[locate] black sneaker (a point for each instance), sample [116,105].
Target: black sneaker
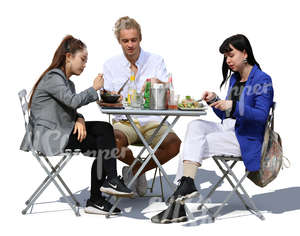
[186,189]
[101,207]
[174,213]
[116,187]
[179,214]
[165,216]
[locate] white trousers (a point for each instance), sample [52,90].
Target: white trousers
[204,139]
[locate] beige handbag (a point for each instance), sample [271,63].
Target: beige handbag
[272,155]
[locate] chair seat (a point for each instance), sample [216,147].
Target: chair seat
[228,158]
[66,152]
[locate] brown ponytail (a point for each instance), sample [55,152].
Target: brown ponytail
[68,45]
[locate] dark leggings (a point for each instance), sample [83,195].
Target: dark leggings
[100,140]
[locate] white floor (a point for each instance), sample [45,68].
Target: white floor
[280,205]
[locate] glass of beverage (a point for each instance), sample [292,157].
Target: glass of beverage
[173,102]
[125,101]
[139,100]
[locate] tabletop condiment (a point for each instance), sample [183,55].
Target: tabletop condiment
[171,94]
[147,94]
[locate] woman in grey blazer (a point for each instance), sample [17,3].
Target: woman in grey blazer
[57,125]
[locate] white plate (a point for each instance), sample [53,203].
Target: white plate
[192,109]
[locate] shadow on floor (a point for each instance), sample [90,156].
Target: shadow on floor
[276,202]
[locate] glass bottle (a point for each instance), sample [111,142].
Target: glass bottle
[132,91]
[147,94]
[171,94]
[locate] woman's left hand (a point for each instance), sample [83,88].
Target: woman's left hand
[222,105]
[80,129]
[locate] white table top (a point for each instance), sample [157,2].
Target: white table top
[138,111]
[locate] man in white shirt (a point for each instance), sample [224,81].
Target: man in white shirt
[144,65]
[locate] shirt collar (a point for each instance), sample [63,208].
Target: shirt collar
[139,61]
[60,72]
[141,58]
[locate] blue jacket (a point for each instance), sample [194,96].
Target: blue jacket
[251,114]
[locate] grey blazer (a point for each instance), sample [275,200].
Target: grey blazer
[53,112]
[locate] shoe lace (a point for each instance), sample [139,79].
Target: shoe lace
[121,179]
[180,183]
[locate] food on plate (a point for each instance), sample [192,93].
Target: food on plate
[109,97]
[190,103]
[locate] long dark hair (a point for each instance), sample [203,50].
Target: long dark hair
[241,43]
[69,44]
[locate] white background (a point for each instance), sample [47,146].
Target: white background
[187,34]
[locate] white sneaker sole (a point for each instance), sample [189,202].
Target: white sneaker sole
[180,219]
[93,210]
[164,221]
[116,193]
[168,221]
[188,196]
[183,198]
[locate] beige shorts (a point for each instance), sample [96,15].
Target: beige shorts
[146,130]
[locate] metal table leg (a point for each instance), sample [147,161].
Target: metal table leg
[151,152]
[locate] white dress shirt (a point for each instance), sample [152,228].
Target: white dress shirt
[117,70]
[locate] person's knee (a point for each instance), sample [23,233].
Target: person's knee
[102,126]
[121,138]
[108,126]
[172,144]
[193,125]
[176,142]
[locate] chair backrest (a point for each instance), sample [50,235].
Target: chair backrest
[28,124]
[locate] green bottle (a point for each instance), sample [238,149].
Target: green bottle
[147,94]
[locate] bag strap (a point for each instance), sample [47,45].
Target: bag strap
[285,162]
[272,115]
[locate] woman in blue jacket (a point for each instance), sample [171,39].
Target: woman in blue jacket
[243,116]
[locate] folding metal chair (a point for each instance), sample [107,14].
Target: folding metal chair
[53,172]
[223,160]
[229,162]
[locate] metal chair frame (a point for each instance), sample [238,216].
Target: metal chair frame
[53,172]
[229,162]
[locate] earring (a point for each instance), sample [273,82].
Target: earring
[245,61]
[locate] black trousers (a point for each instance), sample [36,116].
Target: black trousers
[99,143]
